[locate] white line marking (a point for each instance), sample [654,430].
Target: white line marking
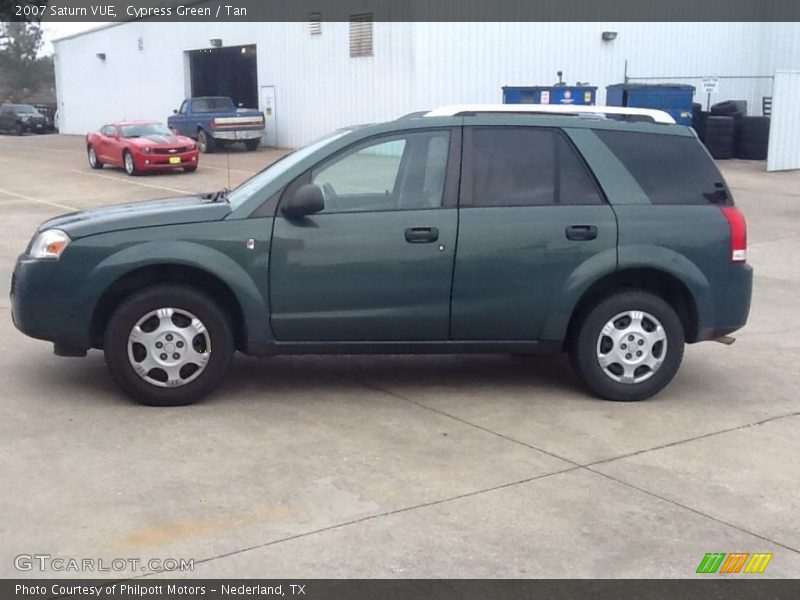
[15,195]
[121,180]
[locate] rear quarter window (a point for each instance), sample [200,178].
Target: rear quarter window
[670,169]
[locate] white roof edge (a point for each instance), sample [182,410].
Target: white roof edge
[658,116]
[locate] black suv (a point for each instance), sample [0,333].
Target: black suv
[19,118]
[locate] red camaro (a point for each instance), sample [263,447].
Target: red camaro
[139,146]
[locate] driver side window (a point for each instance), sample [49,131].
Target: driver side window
[400,172]
[109,131]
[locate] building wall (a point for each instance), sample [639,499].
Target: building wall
[415,66]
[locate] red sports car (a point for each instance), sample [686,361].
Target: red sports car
[139,146]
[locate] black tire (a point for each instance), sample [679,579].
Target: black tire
[189,169]
[720,125]
[19,129]
[91,156]
[252,144]
[751,151]
[729,107]
[205,142]
[754,130]
[128,164]
[584,350]
[182,298]
[720,150]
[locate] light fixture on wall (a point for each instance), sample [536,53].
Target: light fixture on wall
[609,36]
[101,55]
[215,42]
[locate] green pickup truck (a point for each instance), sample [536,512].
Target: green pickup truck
[607,233]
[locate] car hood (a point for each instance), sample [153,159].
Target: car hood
[153,213]
[159,140]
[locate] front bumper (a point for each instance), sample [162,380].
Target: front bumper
[34,126]
[158,162]
[37,311]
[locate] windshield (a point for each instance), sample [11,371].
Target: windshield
[26,109]
[238,196]
[145,129]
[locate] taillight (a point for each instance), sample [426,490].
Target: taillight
[738,228]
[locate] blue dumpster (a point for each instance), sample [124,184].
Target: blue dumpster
[676,99]
[553,94]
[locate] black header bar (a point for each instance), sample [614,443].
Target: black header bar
[190,11]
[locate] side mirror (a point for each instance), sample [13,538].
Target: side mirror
[306,200]
[174,111]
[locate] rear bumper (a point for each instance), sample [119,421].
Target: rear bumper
[732,305]
[238,135]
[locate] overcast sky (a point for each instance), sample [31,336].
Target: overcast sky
[56,30]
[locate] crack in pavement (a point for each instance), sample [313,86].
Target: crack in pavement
[373,517]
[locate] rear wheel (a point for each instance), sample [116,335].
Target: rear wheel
[158,345]
[94,162]
[130,166]
[629,346]
[252,144]
[205,142]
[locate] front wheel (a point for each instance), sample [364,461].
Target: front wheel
[130,166]
[19,129]
[252,144]
[629,346]
[94,162]
[158,345]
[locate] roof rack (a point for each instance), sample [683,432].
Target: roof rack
[656,116]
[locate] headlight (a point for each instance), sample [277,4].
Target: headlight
[25,117]
[49,244]
[147,149]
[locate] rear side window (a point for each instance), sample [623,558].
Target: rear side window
[526,166]
[670,169]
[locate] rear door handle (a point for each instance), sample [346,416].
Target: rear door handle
[581,232]
[422,235]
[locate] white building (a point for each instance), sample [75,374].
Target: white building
[306,71]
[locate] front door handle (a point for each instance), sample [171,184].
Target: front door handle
[581,232]
[422,235]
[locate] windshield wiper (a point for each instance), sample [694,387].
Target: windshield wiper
[218,196]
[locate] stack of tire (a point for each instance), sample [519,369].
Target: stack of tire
[721,126]
[752,138]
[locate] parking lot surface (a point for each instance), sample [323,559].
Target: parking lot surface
[404,466]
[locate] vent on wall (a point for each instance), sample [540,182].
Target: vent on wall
[315,23]
[140,43]
[361,34]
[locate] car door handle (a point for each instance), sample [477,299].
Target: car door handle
[581,232]
[422,235]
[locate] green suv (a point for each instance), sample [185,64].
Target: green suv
[478,229]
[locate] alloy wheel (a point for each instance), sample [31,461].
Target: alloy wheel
[169,347]
[631,347]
